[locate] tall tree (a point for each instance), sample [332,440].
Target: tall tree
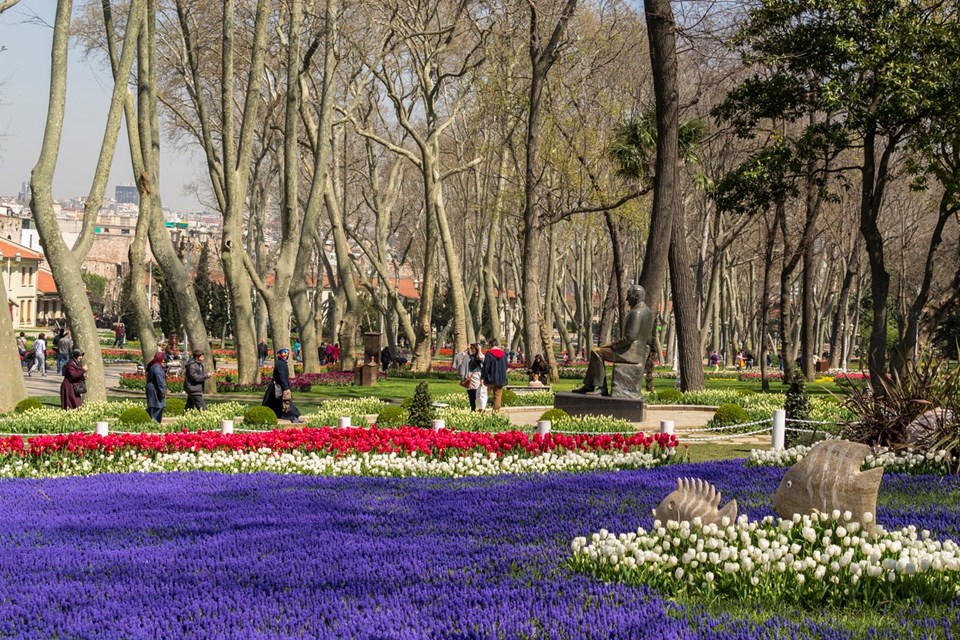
[64,261]
[543,48]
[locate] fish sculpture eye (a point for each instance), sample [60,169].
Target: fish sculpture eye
[789,483]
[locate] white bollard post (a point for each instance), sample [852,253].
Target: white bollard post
[666,426]
[226,426]
[102,428]
[543,427]
[779,429]
[344,423]
[439,424]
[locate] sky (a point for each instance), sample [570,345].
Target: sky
[24,89]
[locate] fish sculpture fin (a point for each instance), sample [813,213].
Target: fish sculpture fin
[729,511]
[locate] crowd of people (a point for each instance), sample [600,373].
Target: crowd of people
[484,373]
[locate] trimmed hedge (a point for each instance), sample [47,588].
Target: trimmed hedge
[259,416]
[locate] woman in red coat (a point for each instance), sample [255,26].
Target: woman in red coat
[74,373]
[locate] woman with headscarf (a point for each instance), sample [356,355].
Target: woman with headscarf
[278,396]
[156,387]
[74,383]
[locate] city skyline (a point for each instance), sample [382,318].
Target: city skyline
[24,87]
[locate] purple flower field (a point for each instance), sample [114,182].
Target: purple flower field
[262,556]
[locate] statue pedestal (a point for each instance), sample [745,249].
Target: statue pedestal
[627,380]
[579,404]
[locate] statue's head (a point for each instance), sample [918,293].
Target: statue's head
[635,295]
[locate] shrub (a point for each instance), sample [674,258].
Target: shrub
[393,416]
[729,414]
[259,416]
[134,416]
[175,407]
[746,392]
[422,412]
[27,404]
[669,396]
[554,415]
[510,399]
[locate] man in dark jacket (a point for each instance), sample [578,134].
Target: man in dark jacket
[494,372]
[193,378]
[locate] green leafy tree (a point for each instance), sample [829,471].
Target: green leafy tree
[203,286]
[127,313]
[422,412]
[168,311]
[871,73]
[95,284]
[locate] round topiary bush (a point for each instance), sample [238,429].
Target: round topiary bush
[260,417]
[554,415]
[27,404]
[175,407]
[746,392]
[669,395]
[392,416]
[729,414]
[510,399]
[134,416]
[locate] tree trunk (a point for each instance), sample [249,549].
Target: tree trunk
[874,176]
[64,264]
[12,389]
[661,29]
[148,125]
[542,58]
[685,308]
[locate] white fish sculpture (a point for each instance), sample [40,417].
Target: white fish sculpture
[829,478]
[694,498]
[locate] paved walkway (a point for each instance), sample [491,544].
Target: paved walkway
[49,385]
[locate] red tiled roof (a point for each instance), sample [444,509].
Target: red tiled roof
[45,282]
[10,249]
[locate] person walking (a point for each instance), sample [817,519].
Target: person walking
[279,396]
[119,334]
[336,352]
[461,364]
[482,388]
[193,378]
[385,358]
[74,384]
[494,373]
[474,379]
[64,349]
[40,356]
[22,347]
[156,387]
[262,351]
[715,361]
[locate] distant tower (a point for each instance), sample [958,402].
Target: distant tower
[127,194]
[24,196]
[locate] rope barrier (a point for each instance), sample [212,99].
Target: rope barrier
[738,435]
[727,428]
[809,421]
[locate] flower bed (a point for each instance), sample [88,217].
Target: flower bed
[820,560]
[326,451]
[55,420]
[237,556]
[940,462]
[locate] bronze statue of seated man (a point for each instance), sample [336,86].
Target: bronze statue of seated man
[630,348]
